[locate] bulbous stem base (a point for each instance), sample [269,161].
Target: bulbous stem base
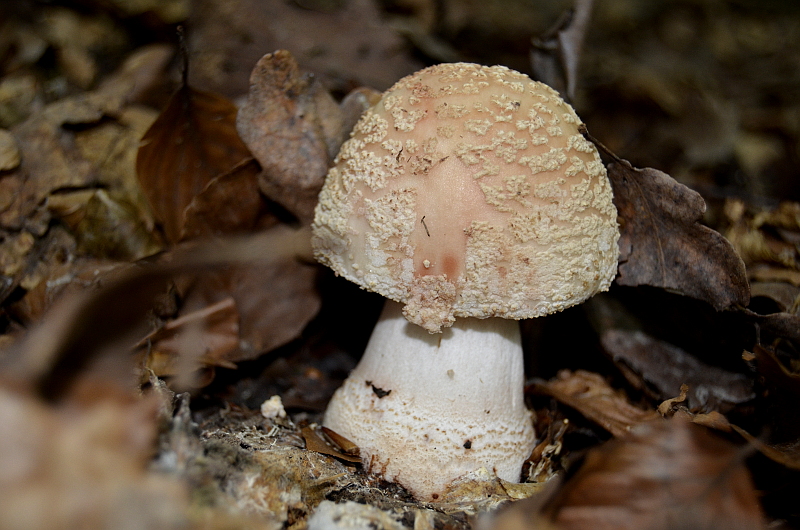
[426,409]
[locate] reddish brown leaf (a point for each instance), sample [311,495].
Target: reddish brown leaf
[294,129]
[667,474]
[230,203]
[192,141]
[592,396]
[663,244]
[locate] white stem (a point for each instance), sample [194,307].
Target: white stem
[455,402]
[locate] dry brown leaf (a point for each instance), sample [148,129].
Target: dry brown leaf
[315,441]
[663,244]
[193,140]
[275,301]
[594,398]
[50,160]
[669,405]
[294,128]
[765,235]
[782,295]
[667,474]
[786,325]
[78,160]
[651,363]
[713,420]
[230,203]
[54,278]
[104,224]
[9,151]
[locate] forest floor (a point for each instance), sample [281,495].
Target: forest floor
[157,290]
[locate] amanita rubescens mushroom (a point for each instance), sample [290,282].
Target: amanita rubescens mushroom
[467,191]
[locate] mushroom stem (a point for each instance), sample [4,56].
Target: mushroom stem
[426,409]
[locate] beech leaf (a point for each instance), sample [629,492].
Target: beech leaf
[229,204]
[193,140]
[663,244]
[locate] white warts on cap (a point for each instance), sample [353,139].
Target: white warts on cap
[469,191]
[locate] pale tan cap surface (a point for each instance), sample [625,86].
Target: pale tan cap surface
[469,191]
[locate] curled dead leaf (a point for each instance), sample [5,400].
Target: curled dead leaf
[663,244]
[317,440]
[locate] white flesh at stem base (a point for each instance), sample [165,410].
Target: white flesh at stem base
[426,409]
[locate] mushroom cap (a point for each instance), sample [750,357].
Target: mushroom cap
[469,191]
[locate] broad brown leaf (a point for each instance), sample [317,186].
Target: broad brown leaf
[294,129]
[276,300]
[193,140]
[667,474]
[663,244]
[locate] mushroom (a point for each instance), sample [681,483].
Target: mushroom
[467,191]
